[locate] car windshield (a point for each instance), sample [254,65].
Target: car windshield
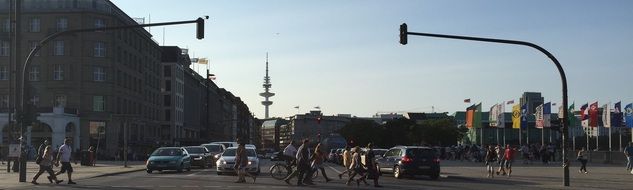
[195,150]
[231,152]
[167,152]
[213,147]
[420,153]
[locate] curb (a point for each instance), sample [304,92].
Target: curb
[116,173]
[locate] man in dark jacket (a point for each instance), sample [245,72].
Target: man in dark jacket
[303,165]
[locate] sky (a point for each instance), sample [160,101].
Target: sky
[344,56]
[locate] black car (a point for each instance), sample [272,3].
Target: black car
[200,156]
[215,150]
[409,161]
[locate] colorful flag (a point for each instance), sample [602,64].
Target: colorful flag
[203,61]
[593,114]
[584,115]
[547,112]
[477,117]
[492,116]
[606,115]
[628,114]
[516,116]
[501,123]
[469,116]
[524,116]
[572,116]
[510,102]
[467,100]
[538,114]
[616,118]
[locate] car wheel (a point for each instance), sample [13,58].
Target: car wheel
[149,171]
[179,170]
[397,173]
[219,173]
[160,170]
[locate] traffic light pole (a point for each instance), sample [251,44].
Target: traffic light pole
[404,40]
[199,34]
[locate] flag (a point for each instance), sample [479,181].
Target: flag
[501,123]
[469,116]
[296,107]
[492,115]
[524,116]
[539,116]
[547,112]
[628,114]
[584,115]
[510,102]
[203,61]
[553,104]
[606,115]
[467,100]
[317,107]
[593,114]
[572,116]
[477,117]
[616,118]
[516,116]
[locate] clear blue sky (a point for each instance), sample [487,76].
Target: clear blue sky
[344,56]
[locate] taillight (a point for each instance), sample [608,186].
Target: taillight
[406,160]
[436,160]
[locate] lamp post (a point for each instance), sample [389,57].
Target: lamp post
[404,40]
[199,34]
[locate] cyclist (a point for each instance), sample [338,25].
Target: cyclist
[290,153]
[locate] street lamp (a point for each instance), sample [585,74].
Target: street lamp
[403,40]
[199,34]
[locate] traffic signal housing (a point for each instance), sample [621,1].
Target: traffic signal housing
[403,34]
[200,28]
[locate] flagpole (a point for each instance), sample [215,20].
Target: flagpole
[520,135]
[573,136]
[504,137]
[498,135]
[543,135]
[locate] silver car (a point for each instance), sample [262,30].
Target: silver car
[226,162]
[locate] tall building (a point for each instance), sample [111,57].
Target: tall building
[267,94]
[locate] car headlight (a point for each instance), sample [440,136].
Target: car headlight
[197,158]
[250,162]
[217,156]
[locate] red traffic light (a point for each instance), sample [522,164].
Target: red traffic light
[403,34]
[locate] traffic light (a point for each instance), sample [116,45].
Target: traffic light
[403,34]
[318,120]
[200,28]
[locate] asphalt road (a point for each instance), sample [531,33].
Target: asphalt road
[455,175]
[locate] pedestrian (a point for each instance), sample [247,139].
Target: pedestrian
[317,162]
[289,154]
[491,158]
[64,156]
[370,162]
[303,166]
[46,166]
[583,160]
[241,162]
[356,168]
[347,160]
[508,158]
[628,152]
[91,156]
[525,152]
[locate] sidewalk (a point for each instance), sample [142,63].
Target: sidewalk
[102,168]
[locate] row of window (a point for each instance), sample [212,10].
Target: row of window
[35,23]
[98,102]
[59,48]
[98,73]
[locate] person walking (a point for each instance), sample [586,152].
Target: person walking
[317,162]
[64,155]
[46,163]
[491,157]
[347,160]
[289,154]
[628,152]
[508,158]
[303,165]
[583,160]
[370,163]
[499,150]
[241,162]
[357,168]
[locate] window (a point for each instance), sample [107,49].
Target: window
[99,74]
[6,25]
[4,48]
[59,48]
[60,100]
[58,72]
[4,101]
[98,103]
[35,100]
[167,115]
[4,73]
[167,71]
[167,100]
[99,49]
[62,24]
[168,86]
[34,25]
[34,73]
[99,23]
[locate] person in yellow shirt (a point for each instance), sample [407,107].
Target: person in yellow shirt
[347,160]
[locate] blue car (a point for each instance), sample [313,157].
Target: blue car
[169,158]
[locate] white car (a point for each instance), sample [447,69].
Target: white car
[226,162]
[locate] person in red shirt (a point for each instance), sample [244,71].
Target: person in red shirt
[508,158]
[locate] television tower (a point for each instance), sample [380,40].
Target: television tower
[267,94]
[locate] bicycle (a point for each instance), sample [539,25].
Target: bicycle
[280,171]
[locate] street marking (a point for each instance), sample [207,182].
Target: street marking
[167,186]
[212,186]
[190,186]
[121,186]
[143,186]
[192,174]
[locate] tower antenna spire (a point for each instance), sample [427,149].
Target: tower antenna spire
[267,94]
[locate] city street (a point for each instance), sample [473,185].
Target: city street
[455,175]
